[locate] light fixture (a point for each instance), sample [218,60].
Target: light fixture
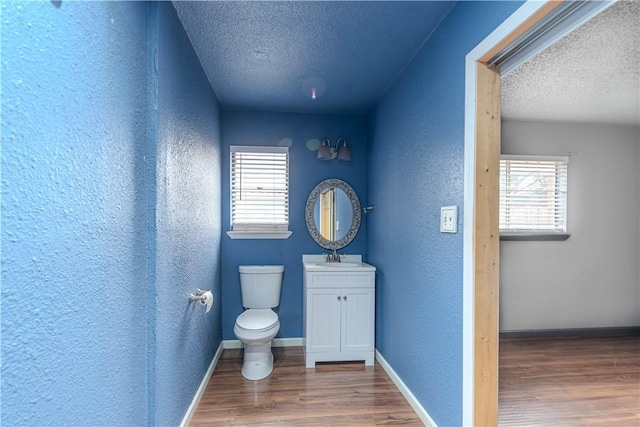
[327,152]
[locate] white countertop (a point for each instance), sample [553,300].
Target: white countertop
[348,263]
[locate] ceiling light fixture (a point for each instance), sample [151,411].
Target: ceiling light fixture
[327,152]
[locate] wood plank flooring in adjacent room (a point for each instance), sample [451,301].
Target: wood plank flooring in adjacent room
[330,394]
[580,381]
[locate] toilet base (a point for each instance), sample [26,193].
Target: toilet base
[257,361]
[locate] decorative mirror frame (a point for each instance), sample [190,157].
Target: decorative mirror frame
[355,205]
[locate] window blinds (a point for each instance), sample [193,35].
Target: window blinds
[533,194]
[259,188]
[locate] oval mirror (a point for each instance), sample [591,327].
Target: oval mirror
[333,214]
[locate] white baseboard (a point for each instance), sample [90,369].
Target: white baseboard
[287,342]
[230,344]
[420,411]
[203,386]
[277,342]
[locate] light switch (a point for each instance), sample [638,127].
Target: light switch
[449,219]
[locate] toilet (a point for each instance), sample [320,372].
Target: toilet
[258,324]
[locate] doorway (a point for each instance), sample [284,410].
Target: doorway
[530,29]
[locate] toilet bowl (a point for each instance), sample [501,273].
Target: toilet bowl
[256,328]
[258,324]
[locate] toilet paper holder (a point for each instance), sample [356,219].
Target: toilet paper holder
[199,296]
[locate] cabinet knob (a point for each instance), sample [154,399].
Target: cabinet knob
[344,297]
[338,298]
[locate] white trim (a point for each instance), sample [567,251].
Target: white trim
[508,26]
[411,399]
[203,386]
[287,342]
[468,264]
[259,234]
[231,344]
[277,342]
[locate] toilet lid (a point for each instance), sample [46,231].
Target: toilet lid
[257,319]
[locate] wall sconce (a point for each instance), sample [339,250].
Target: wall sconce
[327,152]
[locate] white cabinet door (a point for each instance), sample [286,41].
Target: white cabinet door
[358,319]
[323,328]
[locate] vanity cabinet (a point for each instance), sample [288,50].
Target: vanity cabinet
[339,315]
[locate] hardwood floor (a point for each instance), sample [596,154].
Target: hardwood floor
[586,381]
[331,394]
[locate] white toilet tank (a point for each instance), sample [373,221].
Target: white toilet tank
[261,285]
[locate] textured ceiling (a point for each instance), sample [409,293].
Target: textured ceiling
[591,75]
[280,55]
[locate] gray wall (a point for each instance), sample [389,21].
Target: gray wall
[592,279]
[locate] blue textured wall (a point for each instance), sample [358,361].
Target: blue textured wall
[73,214]
[187,221]
[419,280]
[110,215]
[305,172]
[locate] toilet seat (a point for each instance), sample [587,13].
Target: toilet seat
[257,319]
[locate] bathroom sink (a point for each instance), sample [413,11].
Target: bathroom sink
[349,264]
[339,264]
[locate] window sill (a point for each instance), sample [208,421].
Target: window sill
[259,234]
[534,236]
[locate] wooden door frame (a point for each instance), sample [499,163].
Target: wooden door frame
[482,240]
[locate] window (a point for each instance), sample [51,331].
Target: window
[259,192]
[533,194]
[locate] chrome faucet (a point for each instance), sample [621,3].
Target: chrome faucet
[333,257]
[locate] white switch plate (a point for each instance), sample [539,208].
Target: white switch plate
[449,219]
